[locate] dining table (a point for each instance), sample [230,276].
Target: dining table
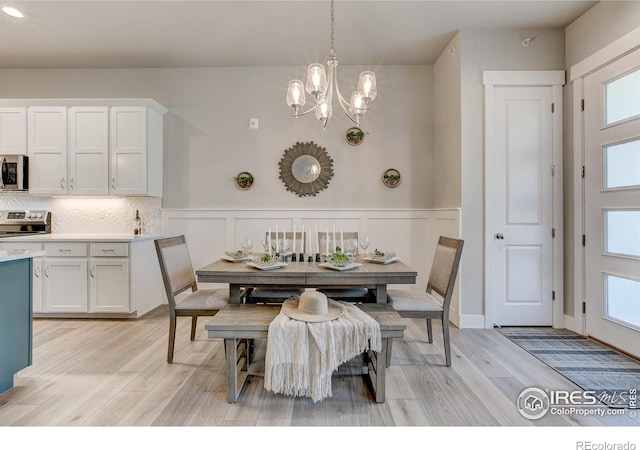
[371,275]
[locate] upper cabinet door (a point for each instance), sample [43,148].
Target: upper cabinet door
[128,151]
[88,150]
[13,131]
[47,149]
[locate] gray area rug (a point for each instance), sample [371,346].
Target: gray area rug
[614,377]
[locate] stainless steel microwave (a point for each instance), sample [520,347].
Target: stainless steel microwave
[14,173]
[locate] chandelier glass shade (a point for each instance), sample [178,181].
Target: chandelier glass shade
[321,85]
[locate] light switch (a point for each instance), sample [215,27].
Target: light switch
[253,124]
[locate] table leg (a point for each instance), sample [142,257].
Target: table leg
[381,293]
[234,293]
[377,371]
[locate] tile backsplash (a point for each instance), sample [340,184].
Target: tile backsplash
[90,215]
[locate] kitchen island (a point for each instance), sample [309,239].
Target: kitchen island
[15,313]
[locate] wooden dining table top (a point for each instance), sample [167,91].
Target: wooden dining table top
[374,276]
[308,273]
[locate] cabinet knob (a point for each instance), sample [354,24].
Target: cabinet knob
[499,236]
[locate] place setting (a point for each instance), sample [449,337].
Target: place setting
[381,257]
[241,255]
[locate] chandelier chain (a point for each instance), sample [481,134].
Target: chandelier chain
[333,51]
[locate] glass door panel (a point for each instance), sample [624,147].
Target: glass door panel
[623,300]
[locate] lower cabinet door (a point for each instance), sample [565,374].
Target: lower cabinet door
[109,285]
[38,288]
[65,285]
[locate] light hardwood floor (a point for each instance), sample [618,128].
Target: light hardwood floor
[114,373]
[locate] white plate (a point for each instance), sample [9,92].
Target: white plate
[347,267]
[381,261]
[271,267]
[235,260]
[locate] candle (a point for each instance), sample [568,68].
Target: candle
[277,240]
[284,239]
[269,240]
[317,241]
[341,239]
[302,240]
[334,237]
[294,239]
[309,243]
[327,242]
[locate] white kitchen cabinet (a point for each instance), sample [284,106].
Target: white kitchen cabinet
[47,150]
[85,278]
[88,157]
[65,285]
[13,131]
[135,151]
[109,285]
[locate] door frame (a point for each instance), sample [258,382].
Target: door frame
[554,79]
[615,50]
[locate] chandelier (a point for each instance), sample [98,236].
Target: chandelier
[321,88]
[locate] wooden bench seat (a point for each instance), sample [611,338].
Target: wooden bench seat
[237,322]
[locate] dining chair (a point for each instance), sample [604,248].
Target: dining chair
[354,294]
[259,294]
[178,276]
[425,305]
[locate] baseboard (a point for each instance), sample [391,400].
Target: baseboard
[471,321]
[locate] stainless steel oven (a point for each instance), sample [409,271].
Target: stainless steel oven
[23,222]
[14,173]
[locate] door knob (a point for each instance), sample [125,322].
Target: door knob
[499,236]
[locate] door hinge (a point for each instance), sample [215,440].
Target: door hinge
[553,295]
[582,171]
[553,108]
[553,169]
[582,105]
[584,240]
[584,307]
[553,232]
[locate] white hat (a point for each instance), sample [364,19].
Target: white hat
[312,306]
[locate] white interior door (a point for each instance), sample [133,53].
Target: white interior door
[612,203]
[522,216]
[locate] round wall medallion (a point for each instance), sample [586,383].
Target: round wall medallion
[244,180]
[306,168]
[354,136]
[391,178]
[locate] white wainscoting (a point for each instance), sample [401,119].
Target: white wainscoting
[411,233]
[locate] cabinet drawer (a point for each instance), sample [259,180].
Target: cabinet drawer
[66,249]
[109,249]
[21,246]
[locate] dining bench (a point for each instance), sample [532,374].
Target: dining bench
[238,324]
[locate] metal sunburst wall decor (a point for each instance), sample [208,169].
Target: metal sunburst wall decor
[306,168]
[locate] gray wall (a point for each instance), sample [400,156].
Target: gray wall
[598,27]
[208,141]
[447,120]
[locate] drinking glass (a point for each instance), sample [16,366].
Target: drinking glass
[364,243]
[247,244]
[351,246]
[265,243]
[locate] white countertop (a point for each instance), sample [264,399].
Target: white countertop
[81,237]
[11,255]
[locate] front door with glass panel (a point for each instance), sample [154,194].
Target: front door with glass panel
[612,203]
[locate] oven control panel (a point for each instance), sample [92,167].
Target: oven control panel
[23,216]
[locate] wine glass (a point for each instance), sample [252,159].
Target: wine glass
[284,248]
[247,244]
[364,243]
[351,246]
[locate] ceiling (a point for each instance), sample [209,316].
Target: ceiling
[147,34]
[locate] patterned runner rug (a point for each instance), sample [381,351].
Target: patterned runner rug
[614,377]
